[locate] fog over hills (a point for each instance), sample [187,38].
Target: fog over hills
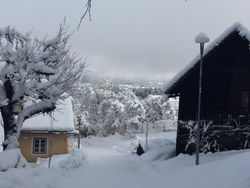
[90,77]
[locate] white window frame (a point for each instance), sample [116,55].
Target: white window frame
[39,147]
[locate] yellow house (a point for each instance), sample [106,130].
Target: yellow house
[45,135]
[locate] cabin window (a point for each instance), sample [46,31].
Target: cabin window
[244,100]
[40,145]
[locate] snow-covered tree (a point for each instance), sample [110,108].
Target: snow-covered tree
[153,108]
[35,72]
[103,103]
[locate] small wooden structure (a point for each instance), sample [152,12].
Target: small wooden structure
[45,135]
[34,144]
[226,81]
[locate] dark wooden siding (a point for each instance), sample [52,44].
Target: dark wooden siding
[226,78]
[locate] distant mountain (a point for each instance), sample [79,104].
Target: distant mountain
[90,77]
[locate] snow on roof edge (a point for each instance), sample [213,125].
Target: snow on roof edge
[63,119]
[237,26]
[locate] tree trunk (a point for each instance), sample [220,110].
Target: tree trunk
[9,123]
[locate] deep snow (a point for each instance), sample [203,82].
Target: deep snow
[110,164]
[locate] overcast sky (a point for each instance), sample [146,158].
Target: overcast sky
[146,39]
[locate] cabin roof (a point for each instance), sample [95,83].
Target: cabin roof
[61,119]
[236,27]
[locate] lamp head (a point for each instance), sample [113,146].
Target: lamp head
[201,38]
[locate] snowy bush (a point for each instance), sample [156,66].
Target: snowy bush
[214,137]
[11,159]
[225,137]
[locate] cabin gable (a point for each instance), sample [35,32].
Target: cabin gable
[225,84]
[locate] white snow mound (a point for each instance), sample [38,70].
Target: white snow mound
[11,159]
[73,160]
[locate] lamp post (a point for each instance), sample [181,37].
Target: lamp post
[201,39]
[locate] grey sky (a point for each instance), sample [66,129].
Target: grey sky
[150,39]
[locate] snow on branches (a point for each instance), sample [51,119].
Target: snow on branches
[37,71]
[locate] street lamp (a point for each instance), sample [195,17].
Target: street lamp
[201,39]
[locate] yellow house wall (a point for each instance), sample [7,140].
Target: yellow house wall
[59,144]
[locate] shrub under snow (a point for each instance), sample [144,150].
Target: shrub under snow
[73,159]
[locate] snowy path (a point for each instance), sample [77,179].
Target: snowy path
[106,168]
[109,164]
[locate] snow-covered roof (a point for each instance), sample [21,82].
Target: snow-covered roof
[62,119]
[243,32]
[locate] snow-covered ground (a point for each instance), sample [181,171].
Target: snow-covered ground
[108,163]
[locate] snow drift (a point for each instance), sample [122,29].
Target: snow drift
[11,159]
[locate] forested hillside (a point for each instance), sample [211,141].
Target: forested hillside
[107,107]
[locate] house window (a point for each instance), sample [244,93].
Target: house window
[40,145]
[244,100]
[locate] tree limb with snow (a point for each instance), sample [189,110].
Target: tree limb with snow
[36,71]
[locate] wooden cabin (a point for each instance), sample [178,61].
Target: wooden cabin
[225,83]
[44,135]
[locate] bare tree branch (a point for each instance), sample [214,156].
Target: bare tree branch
[87,11]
